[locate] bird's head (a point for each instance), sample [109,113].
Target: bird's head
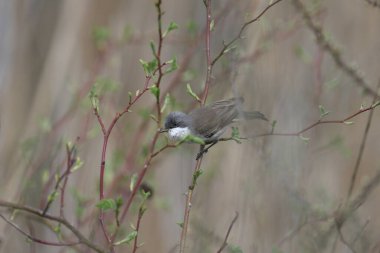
[177,124]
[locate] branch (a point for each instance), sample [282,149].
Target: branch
[362,146]
[373,3]
[208,51]
[227,46]
[82,239]
[342,239]
[64,177]
[30,237]
[320,122]
[142,210]
[330,48]
[189,196]
[210,64]
[228,233]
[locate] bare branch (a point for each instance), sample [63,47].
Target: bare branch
[228,233]
[30,237]
[373,3]
[242,29]
[82,239]
[362,146]
[334,52]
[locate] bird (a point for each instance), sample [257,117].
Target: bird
[207,123]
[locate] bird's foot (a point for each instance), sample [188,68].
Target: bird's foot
[200,154]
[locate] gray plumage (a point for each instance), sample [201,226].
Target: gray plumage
[209,122]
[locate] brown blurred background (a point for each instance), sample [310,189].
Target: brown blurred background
[49,59]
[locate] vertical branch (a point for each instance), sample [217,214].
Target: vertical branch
[362,146]
[158,57]
[64,177]
[69,164]
[142,210]
[228,233]
[208,51]
[189,196]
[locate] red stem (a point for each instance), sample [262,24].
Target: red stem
[208,52]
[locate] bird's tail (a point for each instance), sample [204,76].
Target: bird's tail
[254,115]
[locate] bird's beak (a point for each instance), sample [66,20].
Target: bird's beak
[162,130]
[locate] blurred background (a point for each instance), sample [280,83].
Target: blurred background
[53,52]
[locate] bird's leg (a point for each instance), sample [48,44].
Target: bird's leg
[201,151]
[204,150]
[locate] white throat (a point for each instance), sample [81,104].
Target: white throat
[178,133]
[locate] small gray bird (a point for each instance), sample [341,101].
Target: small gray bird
[208,122]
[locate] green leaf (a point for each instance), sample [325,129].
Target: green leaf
[155,91]
[180,224]
[194,139]
[119,201]
[129,97]
[52,196]
[322,111]
[172,65]
[212,25]
[196,175]
[235,135]
[152,47]
[77,165]
[45,176]
[57,229]
[101,36]
[144,194]
[45,125]
[305,139]
[133,182]
[235,249]
[192,93]
[149,67]
[94,100]
[167,101]
[130,237]
[106,205]
[172,26]
[376,104]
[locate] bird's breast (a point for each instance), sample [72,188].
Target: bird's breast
[178,133]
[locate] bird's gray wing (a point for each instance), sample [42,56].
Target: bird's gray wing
[205,122]
[209,120]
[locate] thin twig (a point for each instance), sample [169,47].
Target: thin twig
[362,146]
[373,3]
[139,218]
[189,196]
[34,239]
[242,29]
[69,164]
[320,122]
[334,52]
[228,233]
[210,64]
[342,239]
[82,239]
[62,177]
[208,51]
